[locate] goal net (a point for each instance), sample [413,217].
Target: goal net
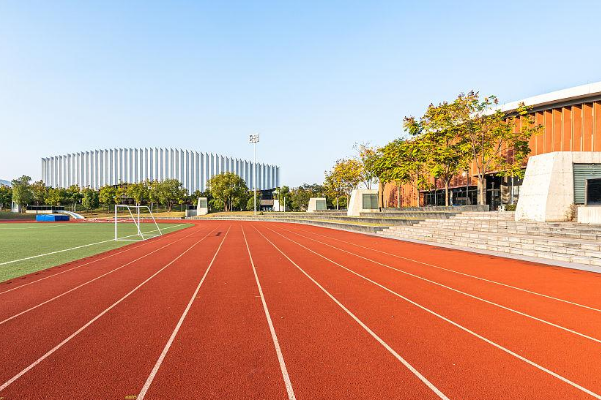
[134,223]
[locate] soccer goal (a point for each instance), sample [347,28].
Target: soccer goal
[134,223]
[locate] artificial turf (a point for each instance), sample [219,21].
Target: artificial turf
[23,240]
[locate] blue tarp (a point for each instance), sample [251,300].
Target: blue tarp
[51,217]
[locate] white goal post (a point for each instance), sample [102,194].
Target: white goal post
[134,217]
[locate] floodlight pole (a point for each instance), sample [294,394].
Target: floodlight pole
[254,139]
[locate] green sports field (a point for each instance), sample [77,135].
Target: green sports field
[30,247]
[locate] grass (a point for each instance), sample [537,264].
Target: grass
[18,241]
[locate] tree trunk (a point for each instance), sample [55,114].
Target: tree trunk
[398,196]
[446,193]
[481,190]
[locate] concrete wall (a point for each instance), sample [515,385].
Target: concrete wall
[355,207]
[547,193]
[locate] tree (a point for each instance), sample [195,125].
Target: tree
[57,196]
[106,196]
[230,189]
[402,161]
[138,192]
[250,203]
[367,156]
[74,196]
[6,195]
[89,199]
[343,178]
[22,193]
[39,191]
[496,141]
[440,133]
[153,192]
[299,197]
[170,192]
[280,194]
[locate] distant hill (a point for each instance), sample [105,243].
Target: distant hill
[6,183]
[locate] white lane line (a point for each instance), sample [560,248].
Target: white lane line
[93,280]
[460,273]
[77,332]
[396,355]
[456,290]
[72,248]
[274,337]
[463,328]
[157,365]
[128,248]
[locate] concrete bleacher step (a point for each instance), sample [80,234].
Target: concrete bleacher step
[499,232]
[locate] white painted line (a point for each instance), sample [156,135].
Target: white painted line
[456,290]
[92,280]
[77,332]
[69,249]
[463,328]
[461,273]
[128,248]
[274,337]
[157,365]
[372,333]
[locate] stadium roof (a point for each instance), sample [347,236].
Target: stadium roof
[590,92]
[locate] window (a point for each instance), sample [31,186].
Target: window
[370,201]
[582,172]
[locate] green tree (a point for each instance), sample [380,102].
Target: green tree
[344,177]
[441,137]
[496,141]
[281,194]
[74,196]
[299,196]
[138,192]
[22,193]
[57,197]
[106,196]
[89,199]
[230,189]
[6,195]
[153,192]
[402,161]
[367,157]
[170,192]
[39,191]
[250,203]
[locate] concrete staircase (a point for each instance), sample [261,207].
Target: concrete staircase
[499,232]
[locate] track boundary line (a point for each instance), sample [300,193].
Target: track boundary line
[412,369]
[179,324]
[72,248]
[92,280]
[274,337]
[461,273]
[127,248]
[81,329]
[463,328]
[459,291]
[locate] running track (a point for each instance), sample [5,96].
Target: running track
[258,310]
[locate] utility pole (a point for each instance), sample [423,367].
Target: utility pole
[254,139]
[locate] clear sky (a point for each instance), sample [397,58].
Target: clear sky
[312,77]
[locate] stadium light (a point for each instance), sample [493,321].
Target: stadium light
[254,139]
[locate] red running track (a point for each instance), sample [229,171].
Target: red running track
[258,310]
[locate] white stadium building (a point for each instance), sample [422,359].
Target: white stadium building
[114,166]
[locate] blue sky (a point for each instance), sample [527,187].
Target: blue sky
[312,78]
